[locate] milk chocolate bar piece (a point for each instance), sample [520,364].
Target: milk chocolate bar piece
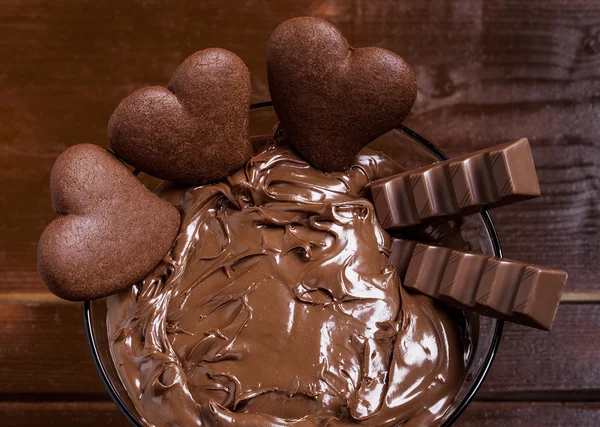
[500,288]
[489,178]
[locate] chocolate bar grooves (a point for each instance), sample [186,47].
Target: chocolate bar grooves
[490,178]
[494,287]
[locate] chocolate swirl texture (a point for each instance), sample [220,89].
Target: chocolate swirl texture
[277,307]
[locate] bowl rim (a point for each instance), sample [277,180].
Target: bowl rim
[454,416]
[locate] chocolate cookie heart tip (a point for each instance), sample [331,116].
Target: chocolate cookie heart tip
[195,131]
[112,231]
[331,99]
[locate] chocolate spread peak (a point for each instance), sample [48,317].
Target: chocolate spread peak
[277,307]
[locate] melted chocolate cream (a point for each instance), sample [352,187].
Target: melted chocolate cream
[277,307]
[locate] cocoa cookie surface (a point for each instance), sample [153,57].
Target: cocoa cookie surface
[194,131]
[332,99]
[112,231]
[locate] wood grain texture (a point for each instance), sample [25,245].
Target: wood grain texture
[61,414]
[43,349]
[530,414]
[488,72]
[478,414]
[558,365]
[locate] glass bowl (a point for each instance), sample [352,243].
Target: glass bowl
[410,151]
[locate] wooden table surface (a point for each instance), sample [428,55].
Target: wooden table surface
[489,71]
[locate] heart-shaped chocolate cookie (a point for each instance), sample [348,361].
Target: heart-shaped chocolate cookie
[194,131]
[112,231]
[332,99]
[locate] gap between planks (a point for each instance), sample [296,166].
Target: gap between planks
[49,298]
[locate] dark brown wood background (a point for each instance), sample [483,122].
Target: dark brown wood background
[488,71]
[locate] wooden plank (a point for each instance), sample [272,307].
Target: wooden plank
[588,297]
[61,414]
[478,414]
[557,365]
[526,414]
[488,71]
[47,297]
[43,349]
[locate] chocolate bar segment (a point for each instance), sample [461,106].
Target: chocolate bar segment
[494,177]
[505,289]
